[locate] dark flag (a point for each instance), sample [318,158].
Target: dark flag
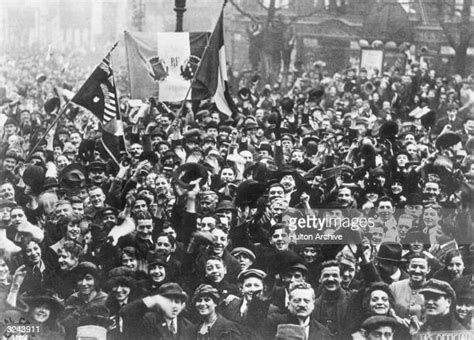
[99,95]
[212,72]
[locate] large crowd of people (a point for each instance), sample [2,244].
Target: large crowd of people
[191,234]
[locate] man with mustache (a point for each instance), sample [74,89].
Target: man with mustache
[439,299]
[330,308]
[406,293]
[299,312]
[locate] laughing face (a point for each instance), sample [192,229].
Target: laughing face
[73,231]
[418,269]
[280,239]
[66,261]
[215,270]
[379,303]
[157,272]
[220,241]
[205,305]
[33,253]
[41,313]
[331,278]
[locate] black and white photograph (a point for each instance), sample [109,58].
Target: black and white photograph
[236,169]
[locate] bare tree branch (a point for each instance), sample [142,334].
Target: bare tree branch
[260,3]
[241,11]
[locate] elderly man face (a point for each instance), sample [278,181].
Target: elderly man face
[301,303]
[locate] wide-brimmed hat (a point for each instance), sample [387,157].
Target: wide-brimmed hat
[390,251]
[120,276]
[248,192]
[45,298]
[171,290]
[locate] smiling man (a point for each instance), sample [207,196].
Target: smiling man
[439,297]
[406,293]
[331,307]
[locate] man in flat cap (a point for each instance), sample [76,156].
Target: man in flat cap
[440,300]
[379,327]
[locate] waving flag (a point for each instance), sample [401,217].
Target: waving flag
[212,73]
[162,65]
[99,95]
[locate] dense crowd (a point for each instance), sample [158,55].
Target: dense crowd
[193,234]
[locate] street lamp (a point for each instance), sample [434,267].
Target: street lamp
[179,8]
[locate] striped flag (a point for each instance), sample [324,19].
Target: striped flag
[99,95]
[212,73]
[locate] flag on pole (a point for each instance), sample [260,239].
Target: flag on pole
[162,65]
[99,95]
[211,80]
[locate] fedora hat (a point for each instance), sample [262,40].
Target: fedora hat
[172,289]
[248,192]
[390,251]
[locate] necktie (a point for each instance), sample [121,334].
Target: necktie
[172,327]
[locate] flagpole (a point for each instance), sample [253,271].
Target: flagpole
[59,116]
[199,65]
[48,130]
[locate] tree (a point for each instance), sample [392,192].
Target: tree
[271,38]
[455,19]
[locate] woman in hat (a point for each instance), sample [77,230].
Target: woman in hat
[88,295]
[465,308]
[211,324]
[122,290]
[375,300]
[43,311]
[157,273]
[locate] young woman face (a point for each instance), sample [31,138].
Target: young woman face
[4,270]
[205,305]
[157,272]
[41,313]
[121,292]
[86,285]
[73,231]
[379,303]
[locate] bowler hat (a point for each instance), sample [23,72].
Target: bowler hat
[96,166]
[172,289]
[390,251]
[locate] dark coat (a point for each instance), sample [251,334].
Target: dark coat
[155,327]
[222,329]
